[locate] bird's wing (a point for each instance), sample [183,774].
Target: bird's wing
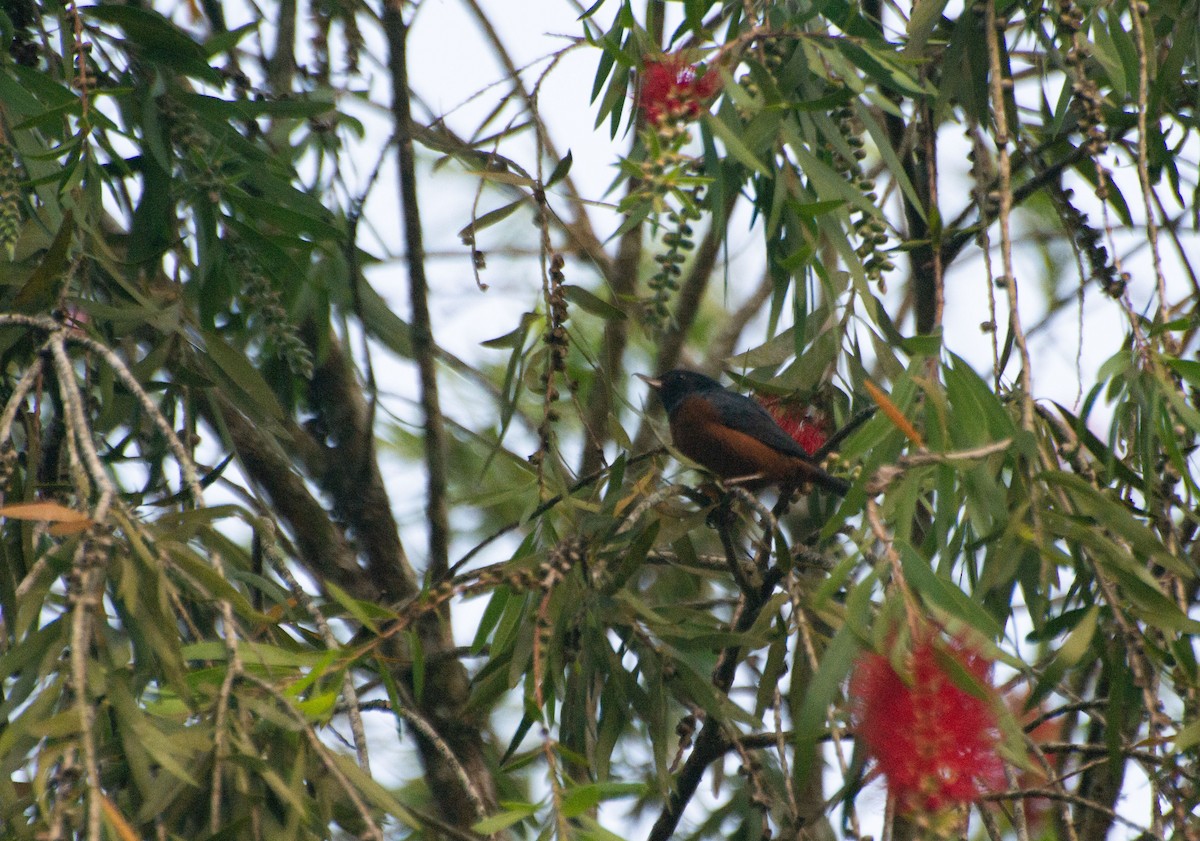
[746,415]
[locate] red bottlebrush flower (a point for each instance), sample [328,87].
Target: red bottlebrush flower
[808,427]
[671,89]
[934,741]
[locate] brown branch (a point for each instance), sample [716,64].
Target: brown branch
[927,267]
[443,703]
[691,292]
[727,337]
[322,548]
[712,743]
[351,474]
[396,32]
[610,367]
[281,66]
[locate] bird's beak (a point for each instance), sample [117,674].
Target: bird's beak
[650,381]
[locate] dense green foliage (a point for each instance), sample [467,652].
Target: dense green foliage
[220,611]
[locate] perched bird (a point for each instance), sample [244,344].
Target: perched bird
[733,436]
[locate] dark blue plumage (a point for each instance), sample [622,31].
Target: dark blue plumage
[733,436]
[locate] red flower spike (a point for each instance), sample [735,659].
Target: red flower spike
[934,741]
[808,427]
[671,90]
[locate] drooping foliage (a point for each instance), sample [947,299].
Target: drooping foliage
[312,531]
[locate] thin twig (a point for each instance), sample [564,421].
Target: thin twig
[912,608]
[1020,820]
[19,392]
[323,753]
[1143,167]
[352,709]
[800,617]
[1038,751]
[928,457]
[998,84]
[990,824]
[89,574]
[80,432]
[127,378]
[1050,794]
[409,713]
[980,189]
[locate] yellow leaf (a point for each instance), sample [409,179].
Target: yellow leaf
[67,529]
[50,512]
[894,414]
[117,821]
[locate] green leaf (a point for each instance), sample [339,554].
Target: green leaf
[590,303]
[771,353]
[561,169]
[31,83]
[158,40]
[365,612]
[1067,656]
[257,398]
[732,141]
[924,19]
[490,218]
[382,322]
[254,654]
[292,218]
[513,813]
[1186,368]
[31,661]
[814,699]
[209,580]
[885,68]
[1187,737]
[515,338]
[1116,517]
[895,168]
[374,793]
[828,183]
[320,706]
[942,593]
[223,42]
[1114,466]
[40,292]
[583,798]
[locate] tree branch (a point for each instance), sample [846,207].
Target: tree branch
[351,474]
[396,32]
[323,549]
[711,744]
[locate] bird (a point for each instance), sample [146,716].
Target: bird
[733,436]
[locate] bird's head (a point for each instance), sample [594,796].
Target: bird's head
[674,386]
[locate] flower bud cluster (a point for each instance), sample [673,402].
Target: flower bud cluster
[10,194]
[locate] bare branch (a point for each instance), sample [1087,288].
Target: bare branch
[396,32]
